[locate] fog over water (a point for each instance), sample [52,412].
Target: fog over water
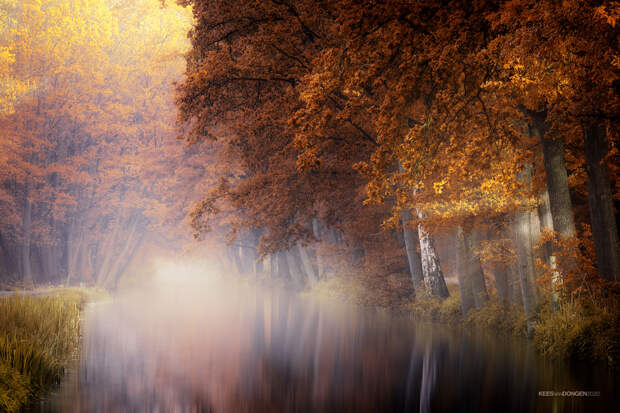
[197,342]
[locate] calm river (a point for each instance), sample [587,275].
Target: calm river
[211,347]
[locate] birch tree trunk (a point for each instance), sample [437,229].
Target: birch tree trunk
[434,281]
[412,241]
[600,200]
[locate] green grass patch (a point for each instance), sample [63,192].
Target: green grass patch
[39,336]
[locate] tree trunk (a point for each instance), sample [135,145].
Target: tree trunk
[49,261]
[307,264]
[75,246]
[546,221]
[600,200]
[11,260]
[500,274]
[235,252]
[478,285]
[230,258]
[108,277]
[273,266]
[433,276]
[27,228]
[514,285]
[412,241]
[108,249]
[525,261]
[557,184]
[462,271]
[319,258]
[123,267]
[294,267]
[4,264]
[250,257]
[557,178]
[283,270]
[260,266]
[131,243]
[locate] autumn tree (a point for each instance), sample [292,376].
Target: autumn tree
[241,91]
[79,175]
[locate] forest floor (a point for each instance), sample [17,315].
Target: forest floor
[39,337]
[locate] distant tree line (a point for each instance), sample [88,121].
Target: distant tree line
[89,165]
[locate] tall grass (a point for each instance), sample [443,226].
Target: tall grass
[38,337]
[581,329]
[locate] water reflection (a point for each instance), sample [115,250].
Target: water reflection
[230,349]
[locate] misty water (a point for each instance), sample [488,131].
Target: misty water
[210,345]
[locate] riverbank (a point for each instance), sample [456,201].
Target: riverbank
[582,328]
[39,336]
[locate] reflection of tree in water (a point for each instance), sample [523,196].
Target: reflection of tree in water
[271,352]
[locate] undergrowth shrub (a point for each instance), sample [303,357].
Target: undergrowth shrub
[580,329]
[497,317]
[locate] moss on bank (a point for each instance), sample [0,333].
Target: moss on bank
[39,335]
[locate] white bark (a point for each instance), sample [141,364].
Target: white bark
[412,242]
[434,281]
